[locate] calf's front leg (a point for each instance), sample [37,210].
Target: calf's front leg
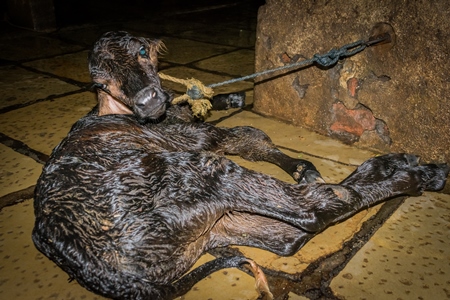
[253,144]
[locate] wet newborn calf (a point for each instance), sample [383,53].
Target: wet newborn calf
[134,195]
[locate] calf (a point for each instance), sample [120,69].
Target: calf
[136,193]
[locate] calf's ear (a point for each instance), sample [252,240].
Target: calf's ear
[156,48]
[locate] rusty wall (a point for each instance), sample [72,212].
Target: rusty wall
[390,97]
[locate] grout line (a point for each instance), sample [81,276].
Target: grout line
[179,36]
[23,148]
[49,98]
[21,61]
[248,108]
[77,83]
[314,282]
[328,268]
[17,197]
[318,156]
[201,9]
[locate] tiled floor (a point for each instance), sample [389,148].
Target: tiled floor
[43,79]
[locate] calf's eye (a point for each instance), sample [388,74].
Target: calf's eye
[143,52]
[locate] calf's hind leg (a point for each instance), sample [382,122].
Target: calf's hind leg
[238,228]
[305,210]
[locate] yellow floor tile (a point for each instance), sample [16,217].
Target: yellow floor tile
[73,66]
[226,284]
[39,46]
[17,171]
[19,86]
[183,51]
[25,273]
[43,125]
[408,258]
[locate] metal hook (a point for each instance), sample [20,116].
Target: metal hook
[379,39]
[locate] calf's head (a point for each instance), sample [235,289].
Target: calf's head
[124,71]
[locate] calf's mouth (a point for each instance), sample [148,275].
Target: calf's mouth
[149,103]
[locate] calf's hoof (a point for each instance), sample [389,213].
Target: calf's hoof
[227,101]
[307,173]
[434,176]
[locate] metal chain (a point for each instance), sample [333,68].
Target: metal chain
[328,59]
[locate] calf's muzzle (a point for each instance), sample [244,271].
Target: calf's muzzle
[150,103]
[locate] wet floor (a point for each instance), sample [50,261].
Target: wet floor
[395,251]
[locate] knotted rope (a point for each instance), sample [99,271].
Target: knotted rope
[197,94]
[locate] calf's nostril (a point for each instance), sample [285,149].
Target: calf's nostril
[141,103]
[147,97]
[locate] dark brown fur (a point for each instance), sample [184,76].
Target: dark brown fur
[133,195]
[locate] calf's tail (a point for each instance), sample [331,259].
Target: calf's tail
[185,283]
